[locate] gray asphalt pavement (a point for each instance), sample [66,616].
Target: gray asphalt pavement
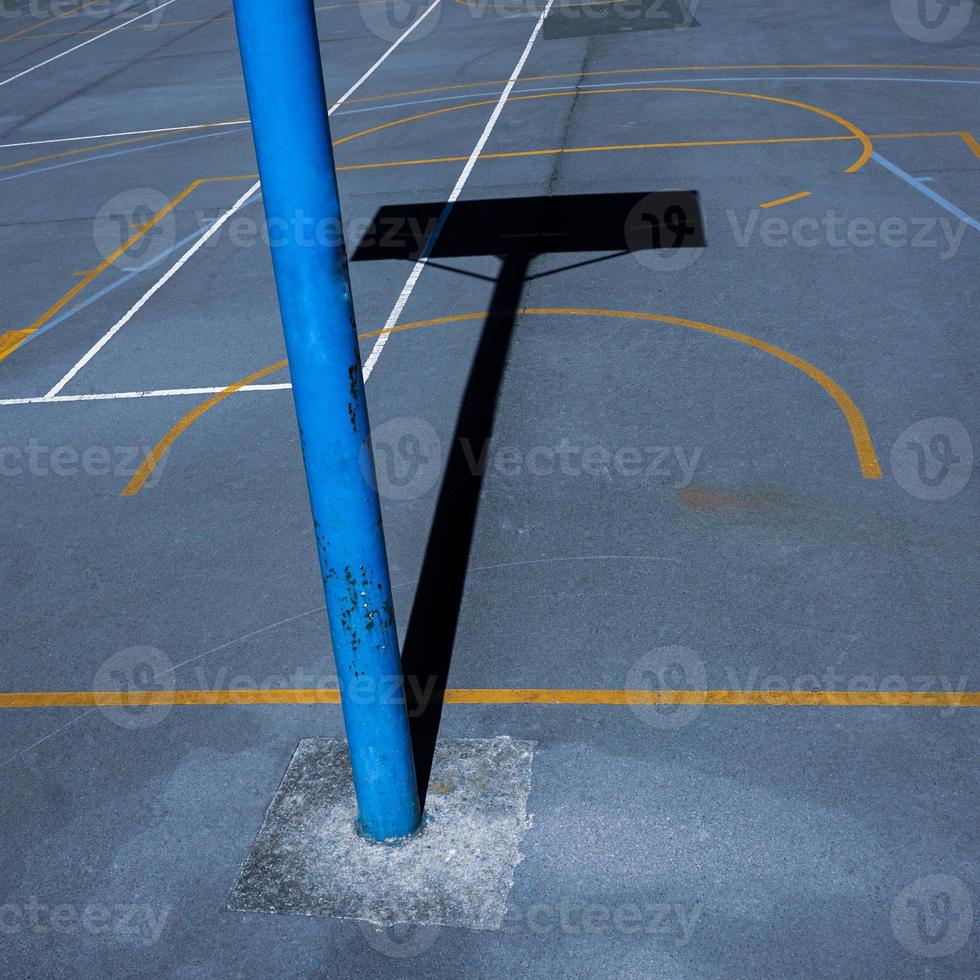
[726,470]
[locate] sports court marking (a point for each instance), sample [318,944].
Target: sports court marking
[413,276]
[12,339]
[9,346]
[41,23]
[721,697]
[867,459]
[785,200]
[9,343]
[61,54]
[530,78]
[665,68]
[922,188]
[963,135]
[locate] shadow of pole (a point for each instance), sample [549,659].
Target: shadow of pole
[431,633]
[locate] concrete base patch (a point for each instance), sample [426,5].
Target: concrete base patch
[309,860]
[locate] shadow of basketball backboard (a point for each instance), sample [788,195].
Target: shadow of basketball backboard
[516,230]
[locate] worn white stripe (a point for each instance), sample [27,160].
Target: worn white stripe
[213,230]
[413,277]
[148,295]
[105,396]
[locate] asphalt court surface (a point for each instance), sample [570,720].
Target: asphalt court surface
[723,470]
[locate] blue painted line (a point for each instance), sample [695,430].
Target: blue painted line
[927,191]
[118,153]
[660,81]
[816,78]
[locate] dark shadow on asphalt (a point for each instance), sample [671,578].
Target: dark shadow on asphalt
[516,230]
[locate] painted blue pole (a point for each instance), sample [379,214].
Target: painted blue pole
[284,82]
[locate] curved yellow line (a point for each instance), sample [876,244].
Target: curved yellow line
[855,131]
[156,453]
[785,200]
[640,71]
[863,445]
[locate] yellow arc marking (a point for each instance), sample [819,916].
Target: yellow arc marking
[785,200]
[863,445]
[855,131]
[156,453]
[763,698]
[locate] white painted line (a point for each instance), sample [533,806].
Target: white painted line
[425,13]
[132,132]
[927,191]
[413,278]
[471,94]
[41,64]
[120,395]
[145,298]
[213,230]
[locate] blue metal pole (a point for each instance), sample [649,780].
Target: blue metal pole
[284,82]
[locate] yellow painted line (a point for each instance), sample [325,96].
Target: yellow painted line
[11,340]
[764,698]
[855,131]
[971,143]
[106,263]
[156,453]
[512,154]
[41,23]
[785,200]
[85,149]
[930,699]
[634,71]
[519,153]
[863,446]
